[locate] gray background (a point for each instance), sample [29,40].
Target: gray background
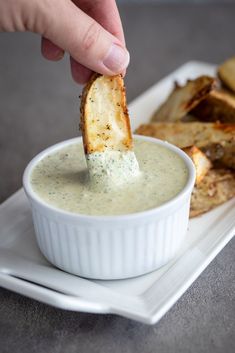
[38,107]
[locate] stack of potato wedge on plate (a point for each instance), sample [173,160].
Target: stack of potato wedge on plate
[199,117]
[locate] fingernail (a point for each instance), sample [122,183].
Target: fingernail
[59,55]
[117,59]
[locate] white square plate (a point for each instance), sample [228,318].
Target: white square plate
[23,268]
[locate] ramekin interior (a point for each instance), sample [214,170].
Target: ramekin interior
[167,206]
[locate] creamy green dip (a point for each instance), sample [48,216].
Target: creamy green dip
[61,179]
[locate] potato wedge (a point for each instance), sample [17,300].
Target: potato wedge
[216,140]
[226,73]
[217,106]
[217,187]
[200,160]
[105,121]
[184,98]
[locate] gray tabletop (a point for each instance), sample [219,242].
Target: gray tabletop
[38,107]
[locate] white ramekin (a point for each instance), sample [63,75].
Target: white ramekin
[110,247]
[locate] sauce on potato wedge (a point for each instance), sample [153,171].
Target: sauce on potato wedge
[106,132]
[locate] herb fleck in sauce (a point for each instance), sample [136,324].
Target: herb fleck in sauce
[61,179]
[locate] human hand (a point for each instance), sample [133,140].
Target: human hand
[89,30]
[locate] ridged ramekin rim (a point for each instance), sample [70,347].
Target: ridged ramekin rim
[168,205]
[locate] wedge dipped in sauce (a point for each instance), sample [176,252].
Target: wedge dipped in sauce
[115,176]
[106,132]
[60,179]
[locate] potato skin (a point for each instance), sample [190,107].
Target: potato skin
[200,160]
[226,73]
[217,187]
[216,140]
[184,98]
[218,106]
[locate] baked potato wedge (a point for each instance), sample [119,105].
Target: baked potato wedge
[226,73]
[217,187]
[104,116]
[217,106]
[200,160]
[106,132]
[184,98]
[216,140]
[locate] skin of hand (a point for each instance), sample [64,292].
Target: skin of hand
[89,30]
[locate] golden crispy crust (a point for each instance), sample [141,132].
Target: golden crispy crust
[217,187]
[105,122]
[216,140]
[200,160]
[217,106]
[184,98]
[226,73]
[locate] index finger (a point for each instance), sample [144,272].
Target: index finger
[106,13]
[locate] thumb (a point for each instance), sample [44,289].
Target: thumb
[84,39]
